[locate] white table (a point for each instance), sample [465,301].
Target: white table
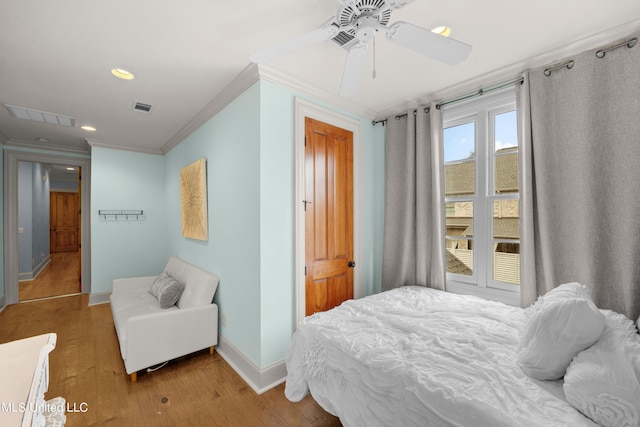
[24,378]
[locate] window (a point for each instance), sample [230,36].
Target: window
[482,207]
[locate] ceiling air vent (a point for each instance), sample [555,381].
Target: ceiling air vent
[40,116]
[142,107]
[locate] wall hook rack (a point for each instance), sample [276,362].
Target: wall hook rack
[120,215]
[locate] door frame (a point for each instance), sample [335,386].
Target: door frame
[307,109]
[11,162]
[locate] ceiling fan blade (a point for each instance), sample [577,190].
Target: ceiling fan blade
[397,4]
[321,34]
[433,45]
[353,69]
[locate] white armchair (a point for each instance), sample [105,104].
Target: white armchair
[148,334]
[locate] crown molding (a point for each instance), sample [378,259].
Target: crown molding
[281,78]
[51,147]
[238,85]
[247,77]
[4,139]
[104,144]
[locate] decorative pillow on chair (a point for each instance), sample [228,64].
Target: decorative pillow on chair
[159,283]
[560,324]
[166,289]
[603,381]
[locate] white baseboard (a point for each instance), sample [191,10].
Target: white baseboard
[22,277]
[37,270]
[260,380]
[99,298]
[41,266]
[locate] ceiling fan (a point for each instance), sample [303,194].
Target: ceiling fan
[357,23]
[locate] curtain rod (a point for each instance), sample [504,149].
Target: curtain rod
[629,43]
[599,54]
[474,94]
[547,72]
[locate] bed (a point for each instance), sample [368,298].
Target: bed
[415,356]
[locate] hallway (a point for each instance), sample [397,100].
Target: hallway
[60,277]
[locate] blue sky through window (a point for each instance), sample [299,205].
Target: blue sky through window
[459,141]
[506,130]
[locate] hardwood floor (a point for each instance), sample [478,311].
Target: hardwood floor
[60,277]
[197,390]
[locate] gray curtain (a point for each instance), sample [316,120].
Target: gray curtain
[414,223]
[580,179]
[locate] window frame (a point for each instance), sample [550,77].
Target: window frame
[483,111]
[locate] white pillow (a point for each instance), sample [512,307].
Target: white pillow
[560,324]
[603,381]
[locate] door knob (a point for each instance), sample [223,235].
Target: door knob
[351,264]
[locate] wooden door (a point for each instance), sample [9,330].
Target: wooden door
[329,216]
[63,222]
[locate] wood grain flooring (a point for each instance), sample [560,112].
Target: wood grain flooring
[197,390]
[60,277]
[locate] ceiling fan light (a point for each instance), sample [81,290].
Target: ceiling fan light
[122,74]
[442,30]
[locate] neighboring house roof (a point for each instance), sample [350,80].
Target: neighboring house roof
[506,228]
[459,178]
[506,170]
[459,222]
[503,228]
[454,265]
[460,175]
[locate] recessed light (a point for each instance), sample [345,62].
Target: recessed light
[88,128]
[71,169]
[40,139]
[122,74]
[443,30]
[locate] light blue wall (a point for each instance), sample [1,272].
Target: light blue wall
[230,142]
[127,181]
[277,222]
[41,215]
[33,217]
[249,147]
[373,206]
[25,218]
[277,187]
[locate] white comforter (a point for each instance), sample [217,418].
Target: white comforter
[415,356]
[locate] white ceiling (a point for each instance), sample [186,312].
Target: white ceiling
[56,56]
